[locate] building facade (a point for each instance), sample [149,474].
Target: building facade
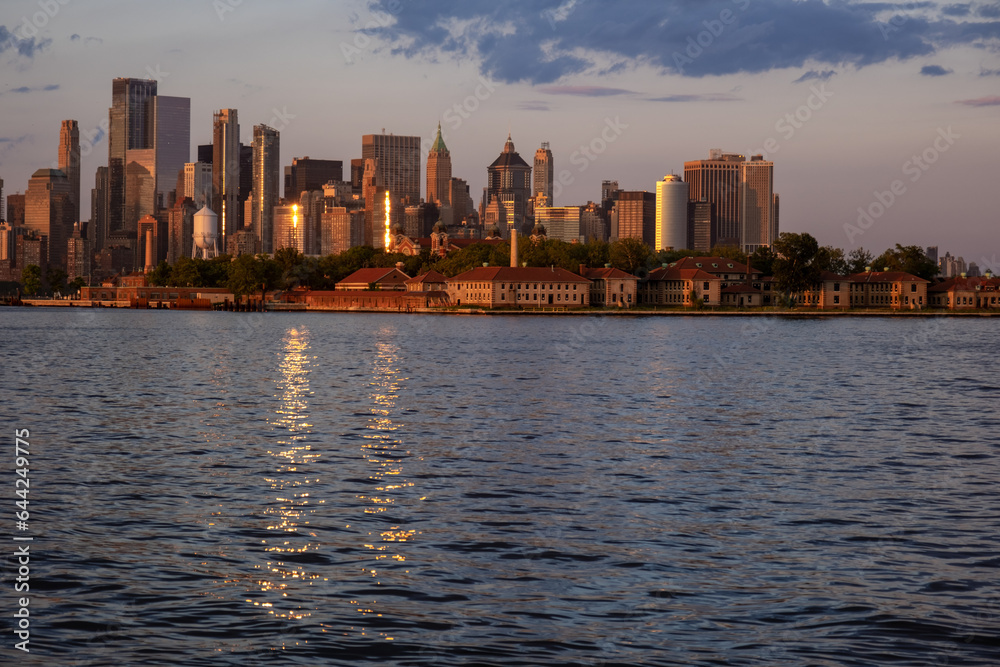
[544,174]
[758,223]
[508,182]
[226,171]
[397,163]
[439,172]
[48,210]
[264,193]
[671,214]
[69,162]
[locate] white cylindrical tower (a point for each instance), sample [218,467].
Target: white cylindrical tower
[206,233]
[672,213]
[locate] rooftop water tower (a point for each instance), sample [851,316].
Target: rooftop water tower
[206,234]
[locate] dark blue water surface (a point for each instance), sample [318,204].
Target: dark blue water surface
[307,489]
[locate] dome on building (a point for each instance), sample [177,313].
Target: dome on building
[396,228]
[538,229]
[440,227]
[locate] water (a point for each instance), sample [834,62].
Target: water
[303,489]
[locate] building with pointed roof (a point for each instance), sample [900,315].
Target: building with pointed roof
[508,182]
[439,172]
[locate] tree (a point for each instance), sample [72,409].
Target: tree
[629,255]
[795,269]
[245,276]
[762,260]
[910,259]
[56,278]
[31,279]
[729,252]
[832,259]
[160,276]
[858,259]
[76,284]
[185,273]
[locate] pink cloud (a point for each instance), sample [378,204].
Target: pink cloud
[991,101]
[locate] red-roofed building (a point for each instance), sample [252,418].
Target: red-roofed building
[965,293]
[611,287]
[431,281]
[831,292]
[380,278]
[742,295]
[888,289]
[674,286]
[524,287]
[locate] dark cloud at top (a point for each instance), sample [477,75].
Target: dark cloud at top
[524,40]
[26,48]
[934,70]
[957,10]
[989,11]
[34,89]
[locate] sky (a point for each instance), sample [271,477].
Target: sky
[881,117]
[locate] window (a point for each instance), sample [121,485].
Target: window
[836,288]
[536,297]
[705,286]
[503,297]
[913,287]
[836,299]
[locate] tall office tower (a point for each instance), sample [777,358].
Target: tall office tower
[439,172]
[99,195]
[757,204]
[544,174]
[398,164]
[671,214]
[180,228]
[172,141]
[197,184]
[701,227]
[932,254]
[289,229]
[777,208]
[311,206]
[461,201]
[592,223]
[635,214]
[48,210]
[357,174]
[226,172]
[306,174]
[206,153]
[131,120]
[508,182]
[15,210]
[717,179]
[69,161]
[561,222]
[342,229]
[245,185]
[79,251]
[374,195]
[3,208]
[608,190]
[266,179]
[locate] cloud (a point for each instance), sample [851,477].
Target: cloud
[702,97]
[989,72]
[813,75]
[934,70]
[26,48]
[957,10]
[34,89]
[543,42]
[584,91]
[992,101]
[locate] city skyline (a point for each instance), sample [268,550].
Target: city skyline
[896,123]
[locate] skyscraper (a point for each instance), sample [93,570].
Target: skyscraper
[69,162]
[172,142]
[306,174]
[544,174]
[438,172]
[48,210]
[98,231]
[757,219]
[398,164]
[197,184]
[226,171]
[717,180]
[266,172]
[131,128]
[634,216]
[508,182]
[671,214]
[561,222]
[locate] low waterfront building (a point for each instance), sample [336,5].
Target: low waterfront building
[377,278]
[896,290]
[611,287]
[742,295]
[965,293]
[519,287]
[673,286]
[432,281]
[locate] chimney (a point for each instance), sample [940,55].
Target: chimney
[149,251]
[513,248]
[399,266]
[583,267]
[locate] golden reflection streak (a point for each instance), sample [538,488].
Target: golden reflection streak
[290,484]
[381,451]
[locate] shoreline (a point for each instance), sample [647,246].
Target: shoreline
[790,314]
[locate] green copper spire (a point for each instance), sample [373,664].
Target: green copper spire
[439,146]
